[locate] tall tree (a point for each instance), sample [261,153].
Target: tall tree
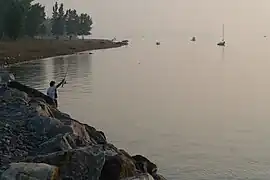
[58,20]
[85,25]
[26,5]
[34,19]
[4,5]
[72,22]
[13,20]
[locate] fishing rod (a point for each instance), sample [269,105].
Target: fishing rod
[65,76]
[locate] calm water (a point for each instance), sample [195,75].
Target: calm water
[199,111]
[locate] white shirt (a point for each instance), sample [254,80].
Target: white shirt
[51,92]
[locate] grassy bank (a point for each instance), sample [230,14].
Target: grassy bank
[24,50]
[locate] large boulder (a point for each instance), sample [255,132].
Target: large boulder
[82,163]
[144,165]
[31,92]
[118,165]
[30,171]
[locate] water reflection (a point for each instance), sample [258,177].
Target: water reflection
[223,53]
[58,67]
[39,73]
[31,74]
[73,66]
[79,73]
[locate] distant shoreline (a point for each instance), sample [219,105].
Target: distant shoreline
[13,52]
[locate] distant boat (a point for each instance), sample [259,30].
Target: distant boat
[222,42]
[157,43]
[193,38]
[125,41]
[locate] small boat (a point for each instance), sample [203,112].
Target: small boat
[125,41]
[193,38]
[222,42]
[157,43]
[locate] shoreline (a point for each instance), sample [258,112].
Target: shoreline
[21,51]
[38,140]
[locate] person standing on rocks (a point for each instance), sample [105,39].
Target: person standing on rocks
[52,90]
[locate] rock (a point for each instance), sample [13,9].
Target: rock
[82,163]
[6,76]
[31,92]
[13,94]
[111,169]
[58,143]
[46,125]
[158,177]
[41,107]
[140,177]
[144,165]
[118,164]
[30,171]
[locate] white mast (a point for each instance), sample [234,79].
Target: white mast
[223,32]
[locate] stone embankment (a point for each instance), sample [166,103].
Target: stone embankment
[38,142]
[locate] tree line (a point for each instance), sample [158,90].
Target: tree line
[21,18]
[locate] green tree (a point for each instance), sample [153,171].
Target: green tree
[85,25]
[13,20]
[72,22]
[4,5]
[34,19]
[58,20]
[26,5]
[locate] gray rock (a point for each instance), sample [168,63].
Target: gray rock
[58,143]
[82,163]
[158,177]
[30,171]
[144,165]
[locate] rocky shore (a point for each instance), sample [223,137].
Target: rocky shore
[24,50]
[38,142]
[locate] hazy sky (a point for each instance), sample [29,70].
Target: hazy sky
[147,16]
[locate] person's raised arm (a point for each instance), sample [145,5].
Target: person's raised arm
[58,85]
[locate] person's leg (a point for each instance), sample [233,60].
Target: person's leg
[56,103]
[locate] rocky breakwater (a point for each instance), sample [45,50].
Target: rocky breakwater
[38,142]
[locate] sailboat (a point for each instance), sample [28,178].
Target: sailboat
[222,42]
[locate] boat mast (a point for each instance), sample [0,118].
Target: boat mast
[223,32]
